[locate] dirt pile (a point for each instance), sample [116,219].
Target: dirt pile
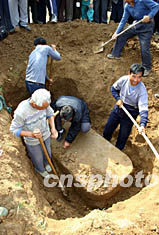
[34,209]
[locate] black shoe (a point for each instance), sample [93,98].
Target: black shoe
[38,22]
[60,134]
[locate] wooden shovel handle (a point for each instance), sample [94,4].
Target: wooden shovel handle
[56,113]
[143,134]
[47,155]
[129,27]
[45,150]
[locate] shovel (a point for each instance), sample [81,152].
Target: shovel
[143,134]
[50,163]
[53,168]
[100,48]
[49,70]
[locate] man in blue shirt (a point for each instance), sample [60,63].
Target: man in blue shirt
[138,9]
[36,69]
[130,92]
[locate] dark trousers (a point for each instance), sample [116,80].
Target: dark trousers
[31,87]
[61,11]
[156,18]
[76,10]
[69,10]
[41,7]
[100,11]
[58,123]
[144,33]
[5,15]
[117,11]
[33,4]
[117,117]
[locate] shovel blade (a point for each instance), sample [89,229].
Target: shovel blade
[99,48]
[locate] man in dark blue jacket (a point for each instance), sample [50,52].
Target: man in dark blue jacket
[74,110]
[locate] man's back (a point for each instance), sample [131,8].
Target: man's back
[36,69]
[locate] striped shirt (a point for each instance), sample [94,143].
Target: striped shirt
[136,98]
[27,118]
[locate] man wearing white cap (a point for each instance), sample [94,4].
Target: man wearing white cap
[31,121]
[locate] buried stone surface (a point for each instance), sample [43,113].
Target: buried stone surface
[93,166]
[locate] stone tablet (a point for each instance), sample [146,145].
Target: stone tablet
[93,166]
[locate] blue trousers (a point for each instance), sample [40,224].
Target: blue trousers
[53,7]
[37,155]
[117,117]
[144,32]
[31,86]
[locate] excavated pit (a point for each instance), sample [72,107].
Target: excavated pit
[85,75]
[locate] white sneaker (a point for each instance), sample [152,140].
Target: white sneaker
[43,174]
[146,72]
[54,19]
[48,168]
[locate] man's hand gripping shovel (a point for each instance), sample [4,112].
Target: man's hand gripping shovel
[100,48]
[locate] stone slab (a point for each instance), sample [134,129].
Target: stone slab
[95,164]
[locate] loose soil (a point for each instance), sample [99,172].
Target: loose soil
[34,209]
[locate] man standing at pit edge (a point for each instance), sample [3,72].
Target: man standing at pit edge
[138,9]
[130,92]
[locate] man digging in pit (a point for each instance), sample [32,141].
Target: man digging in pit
[138,9]
[36,70]
[30,122]
[130,92]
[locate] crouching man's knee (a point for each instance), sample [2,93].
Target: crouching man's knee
[85,127]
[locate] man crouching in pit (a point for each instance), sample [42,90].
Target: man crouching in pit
[30,122]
